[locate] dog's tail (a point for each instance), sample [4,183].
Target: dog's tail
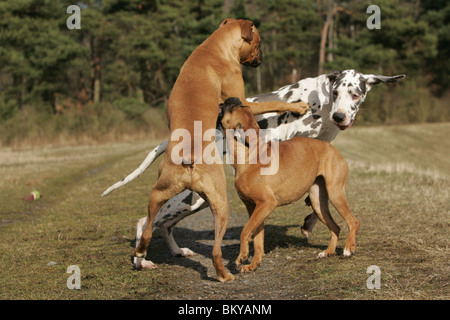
[152,156]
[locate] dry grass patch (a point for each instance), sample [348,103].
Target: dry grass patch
[398,189]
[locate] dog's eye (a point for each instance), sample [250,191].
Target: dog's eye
[335,93]
[355,96]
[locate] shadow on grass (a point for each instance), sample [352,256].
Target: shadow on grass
[275,236]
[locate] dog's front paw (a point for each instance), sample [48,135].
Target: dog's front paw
[325,254]
[185,252]
[226,277]
[141,263]
[240,259]
[249,267]
[300,107]
[348,253]
[349,249]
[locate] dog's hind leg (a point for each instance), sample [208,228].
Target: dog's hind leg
[209,182]
[338,199]
[167,233]
[319,201]
[178,208]
[141,263]
[163,190]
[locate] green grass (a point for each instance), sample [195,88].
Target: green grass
[398,188]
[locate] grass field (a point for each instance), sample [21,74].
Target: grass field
[398,189]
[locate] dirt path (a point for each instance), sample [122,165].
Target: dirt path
[196,277]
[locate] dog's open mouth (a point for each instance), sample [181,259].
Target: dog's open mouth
[342,128]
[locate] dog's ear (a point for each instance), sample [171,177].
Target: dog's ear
[247,30]
[224,22]
[333,75]
[373,79]
[376,79]
[325,87]
[249,118]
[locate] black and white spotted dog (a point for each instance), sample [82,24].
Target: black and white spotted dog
[334,100]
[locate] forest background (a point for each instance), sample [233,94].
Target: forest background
[110,79]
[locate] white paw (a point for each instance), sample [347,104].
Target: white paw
[186,252]
[323,254]
[147,264]
[141,263]
[347,253]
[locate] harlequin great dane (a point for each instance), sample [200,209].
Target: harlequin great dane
[334,99]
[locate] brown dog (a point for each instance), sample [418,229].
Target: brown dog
[211,74]
[303,164]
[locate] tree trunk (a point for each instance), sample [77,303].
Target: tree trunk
[96,69]
[332,9]
[330,39]
[97,90]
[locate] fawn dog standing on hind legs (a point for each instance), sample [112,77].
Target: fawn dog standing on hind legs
[211,74]
[323,173]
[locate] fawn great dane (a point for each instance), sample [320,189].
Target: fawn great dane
[323,173]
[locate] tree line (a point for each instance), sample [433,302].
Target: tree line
[127,54]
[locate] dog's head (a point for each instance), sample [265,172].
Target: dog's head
[349,90]
[233,115]
[250,52]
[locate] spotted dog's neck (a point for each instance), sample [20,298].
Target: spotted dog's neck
[314,124]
